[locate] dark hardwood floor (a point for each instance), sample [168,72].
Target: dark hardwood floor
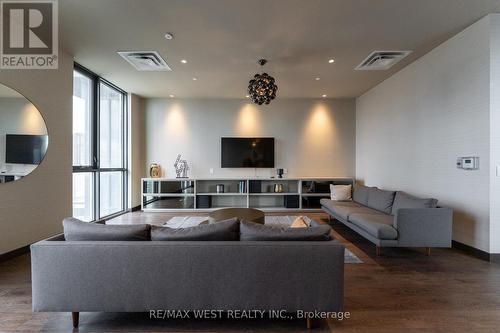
[403,290]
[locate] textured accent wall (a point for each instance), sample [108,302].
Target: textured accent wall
[33,208]
[137,151]
[313,137]
[411,128]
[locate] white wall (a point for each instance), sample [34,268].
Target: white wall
[18,116]
[313,137]
[495,133]
[411,128]
[33,208]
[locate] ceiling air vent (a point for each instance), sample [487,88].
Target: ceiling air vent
[145,60]
[381,60]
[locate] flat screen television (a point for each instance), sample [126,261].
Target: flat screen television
[247,152]
[25,149]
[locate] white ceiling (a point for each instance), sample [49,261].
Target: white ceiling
[223,39]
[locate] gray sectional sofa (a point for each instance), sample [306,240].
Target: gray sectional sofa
[122,270]
[393,218]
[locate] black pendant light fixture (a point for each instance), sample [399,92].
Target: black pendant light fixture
[262,88]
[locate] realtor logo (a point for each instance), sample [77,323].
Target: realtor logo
[29,35]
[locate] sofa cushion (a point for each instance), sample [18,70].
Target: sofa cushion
[344,209]
[344,212]
[404,200]
[227,230]
[331,203]
[76,230]
[381,200]
[250,231]
[377,225]
[360,194]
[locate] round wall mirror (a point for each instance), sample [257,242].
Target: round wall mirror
[23,136]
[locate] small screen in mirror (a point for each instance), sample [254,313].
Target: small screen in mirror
[25,149]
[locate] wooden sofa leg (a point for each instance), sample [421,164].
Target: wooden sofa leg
[428,251]
[76,318]
[377,251]
[312,323]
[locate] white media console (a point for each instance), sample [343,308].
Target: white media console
[204,194]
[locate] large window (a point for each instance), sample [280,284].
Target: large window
[99,147]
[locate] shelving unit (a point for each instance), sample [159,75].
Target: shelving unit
[273,194]
[200,194]
[224,194]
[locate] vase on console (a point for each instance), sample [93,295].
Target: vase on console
[154,170]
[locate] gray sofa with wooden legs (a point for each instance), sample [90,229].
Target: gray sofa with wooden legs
[235,272]
[393,218]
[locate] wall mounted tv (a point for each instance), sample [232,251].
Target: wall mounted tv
[247,152]
[25,149]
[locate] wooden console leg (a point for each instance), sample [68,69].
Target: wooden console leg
[428,251]
[76,318]
[377,251]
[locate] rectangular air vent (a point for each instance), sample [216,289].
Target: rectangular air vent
[381,60]
[145,60]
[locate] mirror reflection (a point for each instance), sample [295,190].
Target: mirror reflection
[23,136]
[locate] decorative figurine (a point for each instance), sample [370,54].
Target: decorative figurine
[154,170]
[181,167]
[280,173]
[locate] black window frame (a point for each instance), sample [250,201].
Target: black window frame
[95,168]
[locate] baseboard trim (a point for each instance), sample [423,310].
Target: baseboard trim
[14,253]
[483,255]
[495,258]
[135,209]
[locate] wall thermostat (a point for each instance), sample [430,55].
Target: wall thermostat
[468,163]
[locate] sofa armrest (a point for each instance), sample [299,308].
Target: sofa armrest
[424,227]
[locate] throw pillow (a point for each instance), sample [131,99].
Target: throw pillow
[341,192]
[227,230]
[76,230]
[250,231]
[299,222]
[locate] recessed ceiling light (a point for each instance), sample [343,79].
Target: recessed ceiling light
[184,61]
[171,96]
[195,79]
[169,36]
[323,95]
[331,61]
[317,79]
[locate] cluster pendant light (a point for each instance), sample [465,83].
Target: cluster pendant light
[262,88]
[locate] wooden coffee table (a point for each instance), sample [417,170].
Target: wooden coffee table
[249,214]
